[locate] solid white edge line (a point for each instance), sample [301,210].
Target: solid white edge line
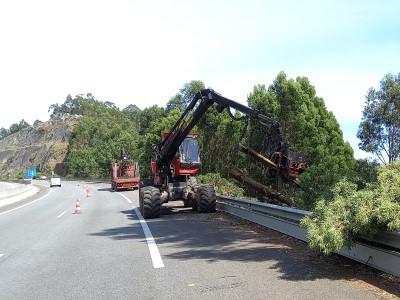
[26,204]
[126,198]
[60,215]
[154,253]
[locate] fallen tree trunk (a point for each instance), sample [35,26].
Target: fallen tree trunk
[239,176]
[246,149]
[261,158]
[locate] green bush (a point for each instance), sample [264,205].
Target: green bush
[221,185]
[349,212]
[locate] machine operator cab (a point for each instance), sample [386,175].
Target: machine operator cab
[187,159]
[189,152]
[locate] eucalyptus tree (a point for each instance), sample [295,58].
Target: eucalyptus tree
[309,128]
[379,130]
[86,105]
[97,138]
[182,99]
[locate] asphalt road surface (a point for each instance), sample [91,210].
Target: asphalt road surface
[107,251]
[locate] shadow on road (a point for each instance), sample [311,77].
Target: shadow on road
[219,236]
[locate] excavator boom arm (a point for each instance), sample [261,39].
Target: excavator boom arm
[202,101]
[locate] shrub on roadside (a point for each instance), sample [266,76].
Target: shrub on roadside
[221,185]
[349,212]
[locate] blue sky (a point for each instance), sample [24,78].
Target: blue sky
[143,52]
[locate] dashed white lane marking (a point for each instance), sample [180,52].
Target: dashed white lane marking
[60,215]
[155,254]
[1,255]
[26,204]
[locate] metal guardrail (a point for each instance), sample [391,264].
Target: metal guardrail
[286,220]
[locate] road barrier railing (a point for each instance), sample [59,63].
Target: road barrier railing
[383,252]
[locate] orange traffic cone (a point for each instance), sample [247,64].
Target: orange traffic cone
[78,207]
[87,192]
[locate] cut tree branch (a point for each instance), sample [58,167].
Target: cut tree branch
[239,176]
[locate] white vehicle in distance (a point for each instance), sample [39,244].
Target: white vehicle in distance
[55,181]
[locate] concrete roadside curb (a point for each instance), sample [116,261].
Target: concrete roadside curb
[22,191]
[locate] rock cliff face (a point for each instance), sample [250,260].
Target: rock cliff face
[43,147]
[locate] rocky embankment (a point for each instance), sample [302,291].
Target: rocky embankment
[43,147]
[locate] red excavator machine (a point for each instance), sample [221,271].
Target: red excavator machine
[177,157]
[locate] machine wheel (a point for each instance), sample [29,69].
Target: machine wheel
[206,200]
[142,183]
[191,188]
[195,207]
[150,202]
[192,181]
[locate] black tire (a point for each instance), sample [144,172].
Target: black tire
[150,202]
[206,200]
[195,207]
[143,183]
[191,198]
[192,181]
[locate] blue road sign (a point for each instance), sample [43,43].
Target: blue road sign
[32,172]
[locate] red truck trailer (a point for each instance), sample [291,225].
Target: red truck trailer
[124,175]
